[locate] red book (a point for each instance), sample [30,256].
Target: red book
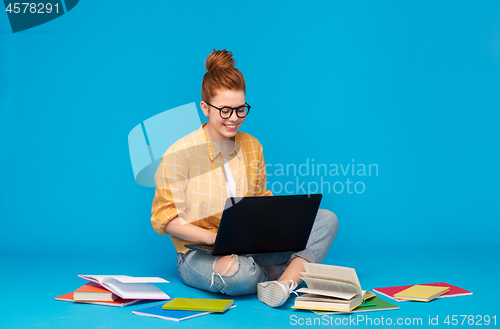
[454,290]
[118,302]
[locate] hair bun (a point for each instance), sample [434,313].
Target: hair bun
[220,59]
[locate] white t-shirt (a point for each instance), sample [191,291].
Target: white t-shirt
[230,182]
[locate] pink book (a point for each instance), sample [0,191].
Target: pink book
[454,290]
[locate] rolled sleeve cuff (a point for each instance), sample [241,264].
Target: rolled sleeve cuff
[160,222]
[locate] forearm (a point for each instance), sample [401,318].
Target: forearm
[189,232]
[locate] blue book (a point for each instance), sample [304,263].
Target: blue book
[156,311]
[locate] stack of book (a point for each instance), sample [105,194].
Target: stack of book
[332,288]
[115,290]
[335,289]
[422,292]
[186,308]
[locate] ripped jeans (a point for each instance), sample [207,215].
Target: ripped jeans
[196,269]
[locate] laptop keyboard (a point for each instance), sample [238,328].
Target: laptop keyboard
[204,247]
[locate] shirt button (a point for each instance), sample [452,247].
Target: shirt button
[238,187]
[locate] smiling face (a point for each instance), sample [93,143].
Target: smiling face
[217,127]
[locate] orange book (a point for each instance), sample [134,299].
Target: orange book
[93,292]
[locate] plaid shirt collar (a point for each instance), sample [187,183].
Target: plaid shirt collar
[211,149]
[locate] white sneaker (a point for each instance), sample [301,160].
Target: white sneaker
[275,293]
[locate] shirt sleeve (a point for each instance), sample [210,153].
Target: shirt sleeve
[170,197]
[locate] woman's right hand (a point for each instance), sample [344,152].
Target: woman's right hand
[211,238]
[190,232]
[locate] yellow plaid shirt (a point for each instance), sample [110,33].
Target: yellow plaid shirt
[191,183]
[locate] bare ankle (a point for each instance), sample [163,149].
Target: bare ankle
[273,275]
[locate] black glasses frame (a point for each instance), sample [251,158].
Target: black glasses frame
[232,109]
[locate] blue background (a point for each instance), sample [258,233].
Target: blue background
[410,86]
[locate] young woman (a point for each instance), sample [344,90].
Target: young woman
[196,176]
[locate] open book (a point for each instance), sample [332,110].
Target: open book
[330,288]
[128,287]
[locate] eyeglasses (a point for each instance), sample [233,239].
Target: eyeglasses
[226,112]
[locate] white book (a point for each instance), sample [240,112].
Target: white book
[330,288]
[128,287]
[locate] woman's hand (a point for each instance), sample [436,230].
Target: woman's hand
[210,238]
[190,232]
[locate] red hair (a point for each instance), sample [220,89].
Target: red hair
[221,74]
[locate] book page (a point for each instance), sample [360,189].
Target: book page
[133,290]
[320,298]
[329,285]
[93,278]
[348,296]
[326,277]
[332,270]
[368,294]
[142,279]
[123,278]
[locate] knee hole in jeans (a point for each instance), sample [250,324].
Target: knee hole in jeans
[226,265]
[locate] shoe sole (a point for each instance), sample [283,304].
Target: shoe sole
[271,293]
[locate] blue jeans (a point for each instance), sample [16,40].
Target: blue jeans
[196,269]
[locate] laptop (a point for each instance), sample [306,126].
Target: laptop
[263,224]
